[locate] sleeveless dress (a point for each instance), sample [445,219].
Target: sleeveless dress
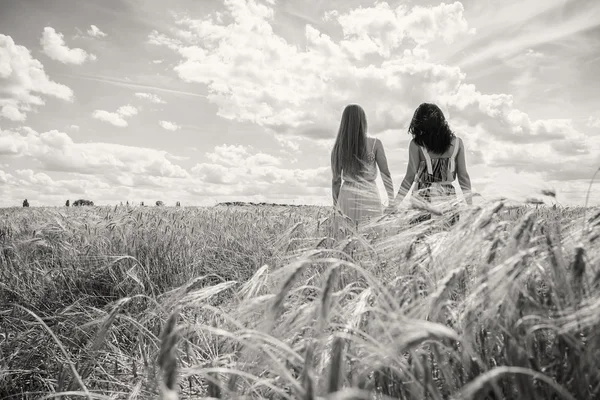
[359,197]
[434,179]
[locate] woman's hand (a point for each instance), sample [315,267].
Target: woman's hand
[391,208]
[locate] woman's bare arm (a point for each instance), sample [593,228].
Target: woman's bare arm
[336,184]
[386,176]
[461,171]
[411,171]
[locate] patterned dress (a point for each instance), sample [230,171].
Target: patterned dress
[434,178]
[436,174]
[359,198]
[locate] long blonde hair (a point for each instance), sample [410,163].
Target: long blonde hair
[350,149]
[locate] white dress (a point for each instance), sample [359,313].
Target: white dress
[359,197]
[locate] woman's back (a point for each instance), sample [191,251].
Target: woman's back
[355,159]
[438,168]
[436,157]
[369,171]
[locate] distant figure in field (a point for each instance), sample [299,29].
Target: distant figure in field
[160,203]
[355,160]
[142,204]
[436,157]
[68,203]
[25,203]
[178,204]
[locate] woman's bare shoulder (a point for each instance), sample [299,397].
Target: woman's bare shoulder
[373,141]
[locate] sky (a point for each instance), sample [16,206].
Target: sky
[204,101]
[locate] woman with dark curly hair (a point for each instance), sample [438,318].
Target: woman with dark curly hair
[436,157]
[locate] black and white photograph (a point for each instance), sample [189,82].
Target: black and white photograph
[300,199]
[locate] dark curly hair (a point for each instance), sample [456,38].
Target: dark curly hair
[430,129]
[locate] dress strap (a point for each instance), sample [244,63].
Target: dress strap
[427,160]
[453,156]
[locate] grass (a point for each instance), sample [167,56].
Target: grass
[267,302]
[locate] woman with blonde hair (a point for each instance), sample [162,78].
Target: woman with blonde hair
[436,157]
[355,159]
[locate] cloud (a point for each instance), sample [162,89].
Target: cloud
[23,80]
[151,97]
[95,32]
[553,161]
[170,126]
[236,170]
[116,118]
[381,29]
[547,22]
[384,61]
[497,114]
[11,112]
[56,151]
[110,173]
[236,155]
[593,122]
[42,189]
[250,71]
[127,111]
[53,45]
[112,118]
[74,127]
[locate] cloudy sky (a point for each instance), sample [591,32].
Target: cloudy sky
[217,100]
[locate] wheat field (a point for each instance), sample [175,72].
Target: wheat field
[270,302]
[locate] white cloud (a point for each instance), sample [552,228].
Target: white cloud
[23,81]
[127,111]
[41,189]
[53,45]
[387,60]
[237,155]
[112,118]
[74,127]
[170,126]
[110,173]
[382,62]
[56,151]
[94,31]
[10,111]
[593,122]
[5,178]
[238,171]
[251,72]
[151,97]
[497,114]
[116,118]
[157,61]
[381,29]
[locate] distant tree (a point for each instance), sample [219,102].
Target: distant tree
[160,203]
[178,204]
[82,202]
[142,204]
[127,202]
[67,204]
[25,203]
